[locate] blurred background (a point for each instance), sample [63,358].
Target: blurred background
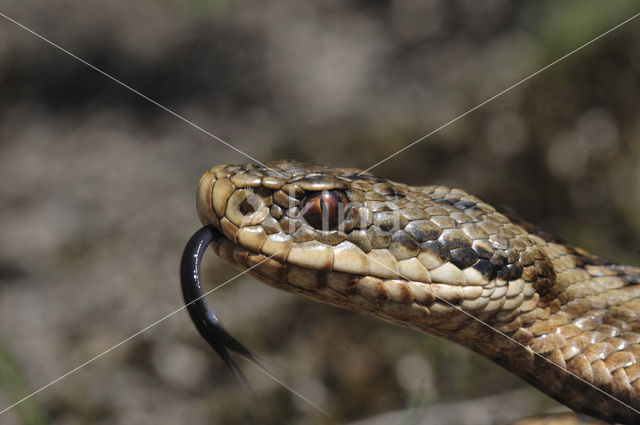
[97,188]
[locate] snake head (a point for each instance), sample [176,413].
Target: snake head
[410,255]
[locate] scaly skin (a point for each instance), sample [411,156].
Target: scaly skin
[441,261]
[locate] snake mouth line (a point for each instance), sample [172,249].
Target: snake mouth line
[398,298]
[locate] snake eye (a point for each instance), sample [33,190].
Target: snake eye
[324,210]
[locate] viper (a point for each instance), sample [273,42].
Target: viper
[435,259]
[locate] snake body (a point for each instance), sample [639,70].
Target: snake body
[441,261]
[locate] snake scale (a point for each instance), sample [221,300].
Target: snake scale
[441,261]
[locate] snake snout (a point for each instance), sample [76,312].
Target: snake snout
[204,201]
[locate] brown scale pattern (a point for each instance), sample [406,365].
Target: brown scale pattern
[433,258]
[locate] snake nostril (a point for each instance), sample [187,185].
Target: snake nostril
[250,204]
[246,207]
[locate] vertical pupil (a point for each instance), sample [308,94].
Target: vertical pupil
[324,214]
[322,210]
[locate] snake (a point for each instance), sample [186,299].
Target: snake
[435,259]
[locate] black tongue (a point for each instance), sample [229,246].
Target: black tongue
[203,317]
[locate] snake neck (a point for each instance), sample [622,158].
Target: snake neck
[580,344]
[441,261]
